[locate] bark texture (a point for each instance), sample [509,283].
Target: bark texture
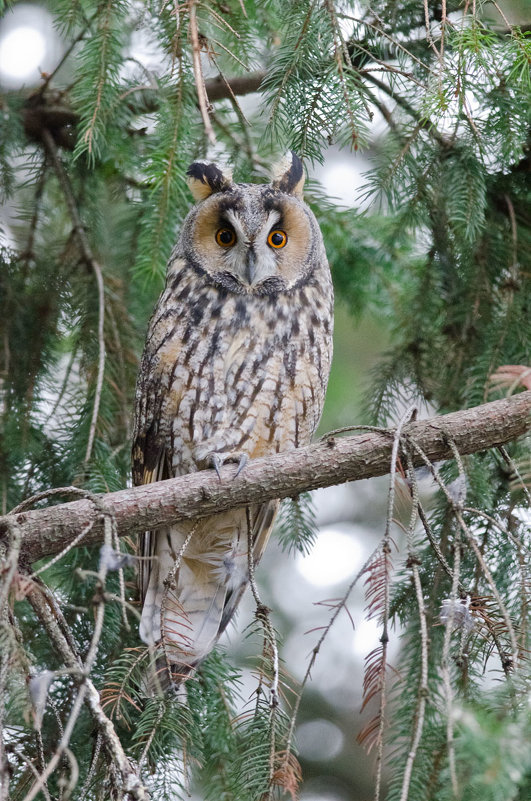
[333,460]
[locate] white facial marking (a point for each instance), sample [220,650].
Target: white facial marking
[265,256]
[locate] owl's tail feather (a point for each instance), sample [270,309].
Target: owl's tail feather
[190,594]
[183,607]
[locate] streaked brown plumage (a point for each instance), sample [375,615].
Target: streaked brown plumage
[235,366]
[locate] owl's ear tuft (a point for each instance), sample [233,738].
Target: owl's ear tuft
[288,174]
[204,178]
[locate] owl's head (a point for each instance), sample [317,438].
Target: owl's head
[257,238]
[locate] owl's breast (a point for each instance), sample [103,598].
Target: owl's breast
[244,374]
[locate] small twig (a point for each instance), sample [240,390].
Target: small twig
[88,256]
[384,639]
[229,52]
[424,122]
[413,564]
[168,585]
[41,182]
[502,15]
[10,563]
[152,733]
[198,72]
[48,616]
[456,507]
[262,611]
[121,579]
[446,667]
[388,68]
[514,467]
[92,769]
[74,775]
[109,525]
[21,755]
[221,20]
[241,144]
[427,23]
[50,76]
[492,585]
[61,748]
[262,614]
[232,97]
[4,764]
[315,651]
[434,544]
[64,385]
[347,429]
[84,531]
[380,31]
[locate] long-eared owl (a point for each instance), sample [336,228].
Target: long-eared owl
[235,366]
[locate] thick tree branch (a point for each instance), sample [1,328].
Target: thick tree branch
[331,461]
[43,112]
[217,88]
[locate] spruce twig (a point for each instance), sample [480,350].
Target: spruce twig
[202,96]
[88,694]
[506,664]
[338,607]
[270,643]
[88,256]
[445,667]
[413,564]
[384,592]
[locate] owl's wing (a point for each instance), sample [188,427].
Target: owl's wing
[150,459]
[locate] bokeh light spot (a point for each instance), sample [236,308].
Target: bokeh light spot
[319,740]
[22,51]
[335,556]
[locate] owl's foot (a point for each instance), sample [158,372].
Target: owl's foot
[217,460]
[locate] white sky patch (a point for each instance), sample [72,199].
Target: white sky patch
[29,44]
[21,52]
[342,176]
[366,637]
[336,555]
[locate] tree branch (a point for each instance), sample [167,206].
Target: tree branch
[86,250]
[219,89]
[330,461]
[43,112]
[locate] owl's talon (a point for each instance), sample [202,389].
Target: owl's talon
[217,460]
[244,458]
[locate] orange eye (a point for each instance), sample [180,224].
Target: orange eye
[225,237]
[277,239]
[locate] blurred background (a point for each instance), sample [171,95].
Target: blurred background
[350,519]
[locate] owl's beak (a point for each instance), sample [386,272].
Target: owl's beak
[250,265]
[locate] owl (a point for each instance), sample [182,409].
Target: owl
[235,367]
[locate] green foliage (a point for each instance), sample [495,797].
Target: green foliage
[296,527]
[313,97]
[440,257]
[96,93]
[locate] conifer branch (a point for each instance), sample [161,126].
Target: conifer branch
[332,460]
[202,95]
[416,115]
[413,563]
[47,613]
[89,258]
